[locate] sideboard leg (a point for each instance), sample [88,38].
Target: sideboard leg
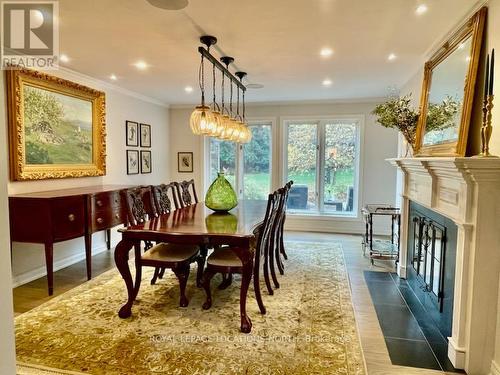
[49,263]
[88,254]
[108,238]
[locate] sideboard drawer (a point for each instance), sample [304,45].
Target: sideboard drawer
[104,219]
[68,217]
[106,200]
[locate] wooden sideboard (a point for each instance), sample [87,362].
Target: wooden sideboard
[53,216]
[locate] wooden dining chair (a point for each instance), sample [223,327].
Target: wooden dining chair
[185,196]
[224,260]
[165,199]
[280,243]
[177,257]
[271,248]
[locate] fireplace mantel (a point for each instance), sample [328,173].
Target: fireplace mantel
[466,190]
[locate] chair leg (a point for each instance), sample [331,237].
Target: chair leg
[227,280]
[201,265]
[207,277]
[162,273]
[182,274]
[271,264]
[279,262]
[155,276]
[256,286]
[282,243]
[266,271]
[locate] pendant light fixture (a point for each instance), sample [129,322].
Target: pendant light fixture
[245,133]
[217,121]
[202,118]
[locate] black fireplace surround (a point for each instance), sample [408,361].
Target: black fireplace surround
[432,245]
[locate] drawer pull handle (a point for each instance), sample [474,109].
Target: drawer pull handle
[117,216]
[100,220]
[99,203]
[71,217]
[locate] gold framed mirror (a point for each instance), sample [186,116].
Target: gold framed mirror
[448,92]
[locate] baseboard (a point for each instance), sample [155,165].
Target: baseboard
[495,368]
[401,270]
[333,225]
[59,264]
[456,354]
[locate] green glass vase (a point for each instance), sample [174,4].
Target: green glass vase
[220,195]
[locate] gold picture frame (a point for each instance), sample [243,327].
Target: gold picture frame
[473,29]
[63,123]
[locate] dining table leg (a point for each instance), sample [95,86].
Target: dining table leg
[121,260]
[246,257]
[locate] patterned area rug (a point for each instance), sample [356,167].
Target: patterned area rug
[309,327]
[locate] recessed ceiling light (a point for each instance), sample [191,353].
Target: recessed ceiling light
[64,58]
[188,89]
[327,82]
[392,57]
[141,65]
[421,9]
[326,52]
[113,77]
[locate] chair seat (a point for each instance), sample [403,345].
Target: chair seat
[169,252]
[224,257]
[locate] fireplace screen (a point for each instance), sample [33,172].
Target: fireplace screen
[428,257]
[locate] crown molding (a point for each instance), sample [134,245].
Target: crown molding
[369,100]
[106,85]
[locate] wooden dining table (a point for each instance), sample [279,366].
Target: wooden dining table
[195,225]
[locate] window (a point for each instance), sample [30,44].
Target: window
[322,158]
[247,167]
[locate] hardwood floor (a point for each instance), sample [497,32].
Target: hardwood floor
[375,351]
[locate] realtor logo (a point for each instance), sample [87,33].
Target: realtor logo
[30,34]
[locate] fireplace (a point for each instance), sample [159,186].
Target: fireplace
[431,258]
[452,205]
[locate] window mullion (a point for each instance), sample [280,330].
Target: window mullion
[321,166]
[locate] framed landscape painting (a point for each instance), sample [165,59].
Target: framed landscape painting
[56,127]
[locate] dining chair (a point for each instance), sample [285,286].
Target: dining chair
[165,198]
[177,257]
[272,245]
[186,198]
[224,260]
[280,243]
[164,204]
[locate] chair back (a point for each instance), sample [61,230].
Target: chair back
[184,195]
[265,230]
[140,204]
[165,198]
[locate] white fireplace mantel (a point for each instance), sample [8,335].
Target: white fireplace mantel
[466,190]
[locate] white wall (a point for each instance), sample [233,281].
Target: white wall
[492,40]
[28,259]
[376,176]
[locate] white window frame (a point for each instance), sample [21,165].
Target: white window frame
[321,122]
[274,166]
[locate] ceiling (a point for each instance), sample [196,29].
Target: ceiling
[277,42]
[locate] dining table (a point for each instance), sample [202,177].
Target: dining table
[194,225]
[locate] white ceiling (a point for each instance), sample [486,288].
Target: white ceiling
[276,41]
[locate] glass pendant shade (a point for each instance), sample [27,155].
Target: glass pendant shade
[215,124]
[221,196]
[200,119]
